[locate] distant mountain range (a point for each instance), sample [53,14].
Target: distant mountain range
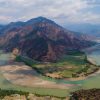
[85,28]
[41,39]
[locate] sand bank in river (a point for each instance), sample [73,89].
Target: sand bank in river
[21,74]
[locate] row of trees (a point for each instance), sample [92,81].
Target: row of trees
[91,94]
[4,93]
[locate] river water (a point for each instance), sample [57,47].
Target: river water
[95,55]
[88,83]
[93,81]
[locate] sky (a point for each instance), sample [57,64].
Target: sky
[61,11]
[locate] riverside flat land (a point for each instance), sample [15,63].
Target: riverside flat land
[21,74]
[25,78]
[12,77]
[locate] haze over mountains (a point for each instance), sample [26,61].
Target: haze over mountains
[41,39]
[90,29]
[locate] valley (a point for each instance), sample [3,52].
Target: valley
[18,76]
[49,50]
[72,66]
[40,57]
[11,79]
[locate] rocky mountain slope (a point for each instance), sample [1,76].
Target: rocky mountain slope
[41,39]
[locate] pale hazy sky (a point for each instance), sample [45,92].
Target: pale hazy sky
[61,11]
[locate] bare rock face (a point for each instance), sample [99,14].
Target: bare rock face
[15,52]
[40,39]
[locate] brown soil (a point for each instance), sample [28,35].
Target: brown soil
[21,74]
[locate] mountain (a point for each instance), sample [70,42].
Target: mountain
[1,26]
[41,39]
[85,28]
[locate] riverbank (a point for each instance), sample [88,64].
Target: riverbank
[20,95]
[70,84]
[71,67]
[6,84]
[21,74]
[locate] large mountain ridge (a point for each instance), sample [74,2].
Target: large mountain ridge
[41,39]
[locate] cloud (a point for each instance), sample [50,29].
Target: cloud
[4,19]
[62,11]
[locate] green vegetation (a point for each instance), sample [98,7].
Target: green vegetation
[27,60]
[4,93]
[74,64]
[91,94]
[5,84]
[75,52]
[92,82]
[86,84]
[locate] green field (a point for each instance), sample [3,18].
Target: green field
[5,84]
[71,65]
[92,82]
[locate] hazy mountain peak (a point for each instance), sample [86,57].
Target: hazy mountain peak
[39,20]
[42,18]
[41,39]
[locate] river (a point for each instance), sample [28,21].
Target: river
[91,82]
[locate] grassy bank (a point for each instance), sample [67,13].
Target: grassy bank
[4,93]
[72,65]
